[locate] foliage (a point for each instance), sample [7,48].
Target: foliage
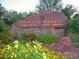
[72,30]
[42,38]
[69,10]
[31,13]
[74,39]
[4,27]
[25,37]
[31,36]
[46,38]
[76,44]
[72,26]
[12,16]
[49,4]
[28,51]
[2,10]
[5,37]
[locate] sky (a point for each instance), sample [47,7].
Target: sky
[29,5]
[19,5]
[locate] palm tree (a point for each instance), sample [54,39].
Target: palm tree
[49,5]
[69,10]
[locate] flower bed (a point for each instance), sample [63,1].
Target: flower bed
[33,50]
[24,46]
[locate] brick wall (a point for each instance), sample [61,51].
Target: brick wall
[57,32]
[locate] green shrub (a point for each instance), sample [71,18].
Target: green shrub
[76,44]
[72,26]
[46,38]
[74,39]
[5,37]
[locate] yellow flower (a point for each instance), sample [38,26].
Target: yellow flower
[39,46]
[16,46]
[44,55]
[36,51]
[13,55]
[27,44]
[8,47]
[35,46]
[54,57]
[16,42]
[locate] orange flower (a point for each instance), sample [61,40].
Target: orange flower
[1,56]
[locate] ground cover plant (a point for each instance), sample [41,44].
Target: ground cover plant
[33,50]
[47,38]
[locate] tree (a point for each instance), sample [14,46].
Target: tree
[3,26]
[31,13]
[56,5]
[73,25]
[49,4]
[69,10]
[11,17]
[1,10]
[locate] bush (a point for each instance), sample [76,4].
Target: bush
[24,36]
[76,44]
[31,36]
[5,37]
[74,39]
[46,38]
[72,26]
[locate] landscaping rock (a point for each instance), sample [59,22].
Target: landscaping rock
[64,46]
